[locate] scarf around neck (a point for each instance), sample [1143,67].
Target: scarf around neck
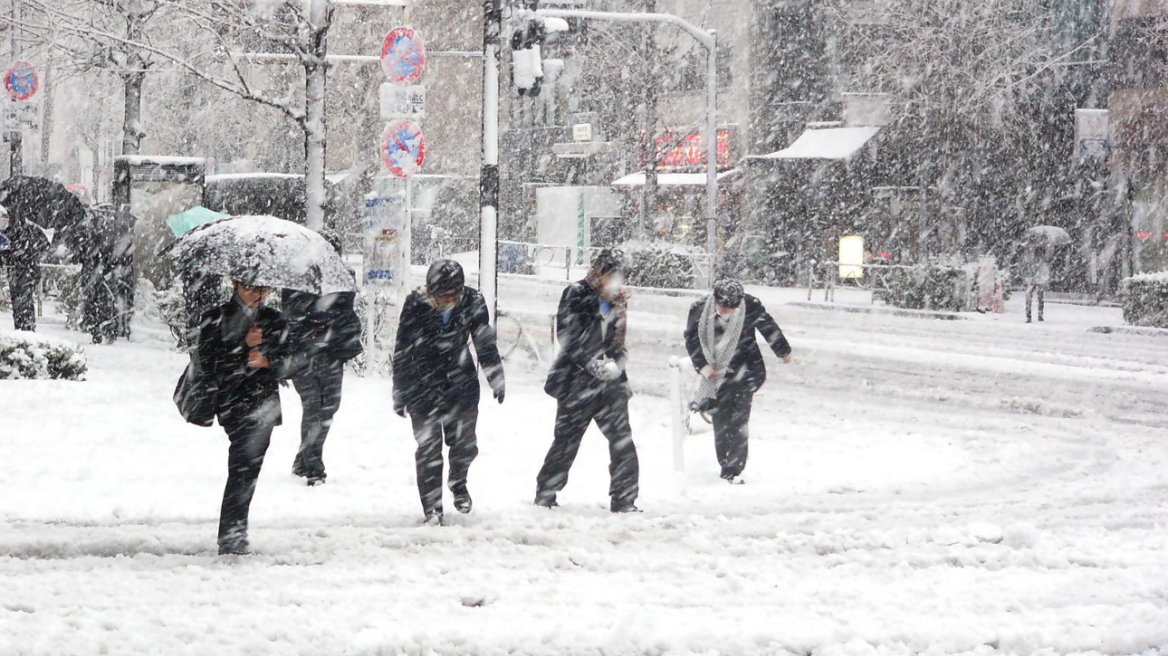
[718,352]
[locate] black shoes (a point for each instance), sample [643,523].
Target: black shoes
[546,500]
[624,507]
[313,481]
[462,502]
[234,548]
[433,518]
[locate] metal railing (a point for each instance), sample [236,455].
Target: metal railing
[876,278]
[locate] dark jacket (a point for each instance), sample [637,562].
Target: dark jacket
[581,342]
[322,326]
[221,353]
[747,372]
[432,364]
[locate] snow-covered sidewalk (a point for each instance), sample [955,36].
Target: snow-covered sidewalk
[914,486]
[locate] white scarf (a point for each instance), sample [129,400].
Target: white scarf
[718,353]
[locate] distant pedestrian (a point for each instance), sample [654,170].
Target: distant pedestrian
[436,383]
[589,382]
[242,350]
[326,333]
[1036,275]
[720,338]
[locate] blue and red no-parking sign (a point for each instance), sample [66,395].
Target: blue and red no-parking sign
[403,148]
[403,55]
[21,81]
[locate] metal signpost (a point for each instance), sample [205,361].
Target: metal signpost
[21,82]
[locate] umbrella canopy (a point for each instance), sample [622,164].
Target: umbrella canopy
[1045,235]
[183,222]
[264,250]
[43,202]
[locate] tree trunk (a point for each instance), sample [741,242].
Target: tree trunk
[315,134]
[132,118]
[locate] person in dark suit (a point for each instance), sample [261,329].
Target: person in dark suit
[243,351]
[720,338]
[326,333]
[27,243]
[436,383]
[589,383]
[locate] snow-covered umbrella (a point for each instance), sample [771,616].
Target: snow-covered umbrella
[1045,235]
[264,250]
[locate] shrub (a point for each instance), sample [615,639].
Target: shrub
[662,267]
[31,356]
[929,287]
[1145,300]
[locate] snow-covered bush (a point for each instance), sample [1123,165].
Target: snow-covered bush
[662,267]
[1145,300]
[930,287]
[31,356]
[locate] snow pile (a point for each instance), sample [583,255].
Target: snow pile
[265,250]
[25,355]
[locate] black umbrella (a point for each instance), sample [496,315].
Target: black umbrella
[43,202]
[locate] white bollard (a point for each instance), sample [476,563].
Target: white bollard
[678,412]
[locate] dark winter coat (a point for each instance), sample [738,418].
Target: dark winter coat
[578,330]
[322,327]
[222,351]
[747,372]
[432,363]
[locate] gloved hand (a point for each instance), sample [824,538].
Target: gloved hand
[604,369]
[500,394]
[399,408]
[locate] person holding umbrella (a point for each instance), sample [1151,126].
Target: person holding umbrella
[720,339]
[589,383]
[436,383]
[243,351]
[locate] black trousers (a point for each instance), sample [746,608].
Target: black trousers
[22,284]
[456,426]
[731,417]
[610,410]
[319,388]
[249,442]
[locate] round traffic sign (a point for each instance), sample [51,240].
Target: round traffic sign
[21,80]
[403,55]
[403,148]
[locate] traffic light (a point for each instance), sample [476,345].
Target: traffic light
[526,59]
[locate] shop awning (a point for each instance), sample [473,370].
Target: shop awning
[670,179]
[826,143]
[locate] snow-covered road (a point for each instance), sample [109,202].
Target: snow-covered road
[914,486]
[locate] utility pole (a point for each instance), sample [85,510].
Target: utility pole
[15,136]
[315,74]
[489,175]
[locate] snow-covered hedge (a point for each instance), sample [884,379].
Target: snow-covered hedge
[662,267]
[930,287]
[30,356]
[1145,300]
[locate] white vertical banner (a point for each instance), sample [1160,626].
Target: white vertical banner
[386,254]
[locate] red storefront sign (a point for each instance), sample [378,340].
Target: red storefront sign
[679,152]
